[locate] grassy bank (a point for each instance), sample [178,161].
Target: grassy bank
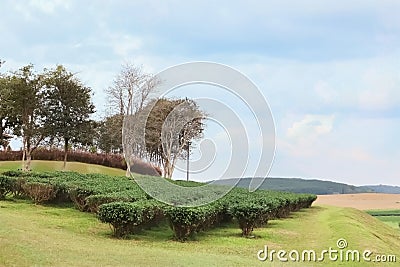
[390,217]
[43,165]
[62,236]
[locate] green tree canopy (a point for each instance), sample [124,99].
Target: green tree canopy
[67,107]
[171,126]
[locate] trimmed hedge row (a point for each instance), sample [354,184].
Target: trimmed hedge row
[86,191]
[185,221]
[255,209]
[120,202]
[95,201]
[130,217]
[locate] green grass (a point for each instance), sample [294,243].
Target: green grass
[43,165]
[384,212]
[62,236]
[392,221]
[390,217]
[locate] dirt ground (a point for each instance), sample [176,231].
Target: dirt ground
[368,201]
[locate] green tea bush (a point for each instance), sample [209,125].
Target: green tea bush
[39,192]
[79,197]
[94,201]
[251,211]
[128,218]
[120,202]
[6,186]
[185,221]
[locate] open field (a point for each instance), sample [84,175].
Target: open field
[43,165]
[62,236]
[365,201]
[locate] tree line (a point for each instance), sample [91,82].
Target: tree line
[54,109]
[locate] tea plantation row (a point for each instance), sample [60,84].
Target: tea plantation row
[120,202]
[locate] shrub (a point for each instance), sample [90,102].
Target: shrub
[120,202]
[40,192]
[6,185]
[249,216]
[94,201]
[185,221]
[17,187]
[128,218]
[79,198]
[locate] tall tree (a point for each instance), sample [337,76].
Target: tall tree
[5,117]
[25,107]
[7,120]
[109,134]
[67,107]
[171,127]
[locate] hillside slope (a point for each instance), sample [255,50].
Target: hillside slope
[62,236]
[44,165]
[298,185]
[312,186]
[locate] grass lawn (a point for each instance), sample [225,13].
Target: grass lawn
[390,217]
[43,165]
[62,236]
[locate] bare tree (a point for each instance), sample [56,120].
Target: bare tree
[126,97]
[130,90]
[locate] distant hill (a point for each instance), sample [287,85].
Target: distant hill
[383,188]
[313,186]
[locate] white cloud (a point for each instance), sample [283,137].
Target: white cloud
[49,6]
[358,151]
[311,126]
[313,58]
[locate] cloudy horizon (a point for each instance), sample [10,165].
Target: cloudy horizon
[330,70]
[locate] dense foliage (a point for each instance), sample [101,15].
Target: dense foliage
[120,202]
[129,217]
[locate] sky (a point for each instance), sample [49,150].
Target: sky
[330,70]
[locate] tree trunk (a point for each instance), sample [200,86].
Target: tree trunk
[168,168]
[23,153]
[28,161]
[65,152]
[27,155]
